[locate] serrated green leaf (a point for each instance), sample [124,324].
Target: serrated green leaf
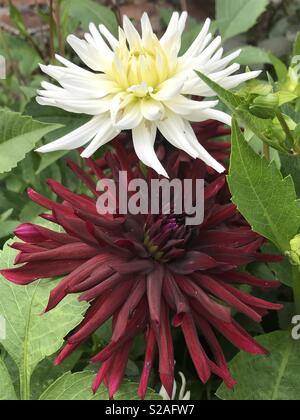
[30,336]
[274,377]
[7,391]
[19,135]
[77,386]
[237,16]
[88,11]
[264,198]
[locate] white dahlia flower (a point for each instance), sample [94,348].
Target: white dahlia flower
[140,83]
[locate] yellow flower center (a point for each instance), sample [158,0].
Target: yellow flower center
[141,70]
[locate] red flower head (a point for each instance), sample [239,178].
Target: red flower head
[149,273]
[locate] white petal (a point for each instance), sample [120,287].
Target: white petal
[215,65]
[152,110]
[143,141]
[170,88]
[202,152]
[171,30]
[234,81]
[147,31]
[184,106]
[113,42]
[105,134]
[130,118]
[96,87]
[180,133]
[210,114]
[76,138]
[79,106]
[132,35]
[71,65]
[182,22]
[172,128]
[198,43]
[96,59]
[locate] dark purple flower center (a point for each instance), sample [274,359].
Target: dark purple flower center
[166,236]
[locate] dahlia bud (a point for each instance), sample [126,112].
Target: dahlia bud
[294,253]
[265,106]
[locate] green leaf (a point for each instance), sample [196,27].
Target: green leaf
[260,127]
[253,55]
[77,386]
[264,198]
[89,11]
[237,16]
[17,18]
[296,47]
[274,377]
[7,227]
[7,390]
[19,135]
[290,165]
[279,66]
[31,336]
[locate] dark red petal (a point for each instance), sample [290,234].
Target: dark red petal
[192,262]
[111,303]
[245,278]
[69,282]
[135,326]
[175,299]
[166,353]
[196,351]
[148,364]
[134,298]
[77,250]
[215,309]
[223,371]
[154,291]
[82,175]
[220,291]
[108,284]
[40,270]
[117,370]
[252,300]
[234,333]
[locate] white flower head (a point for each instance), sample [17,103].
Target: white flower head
[140,83]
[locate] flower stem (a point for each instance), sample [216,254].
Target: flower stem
[287,131]
[267,154]
[296,287]
[52,27]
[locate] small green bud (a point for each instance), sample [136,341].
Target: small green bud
[294,253]
[270,101]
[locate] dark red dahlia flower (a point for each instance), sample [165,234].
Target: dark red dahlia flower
[149,273]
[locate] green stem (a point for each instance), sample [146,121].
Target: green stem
[52,30]
[296,287]
[267,153]
[287,131]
